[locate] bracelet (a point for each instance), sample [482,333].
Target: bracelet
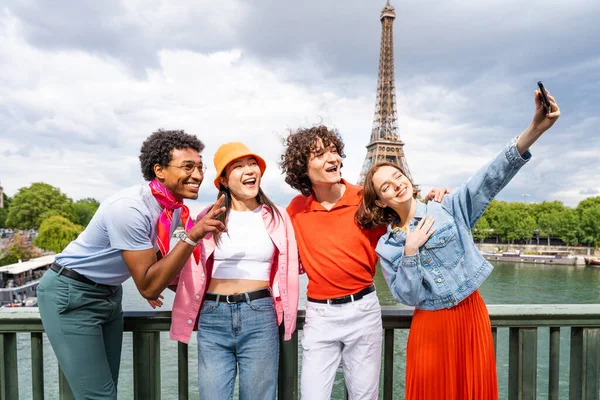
[184,237]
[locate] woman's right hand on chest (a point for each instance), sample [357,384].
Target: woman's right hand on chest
[417,238]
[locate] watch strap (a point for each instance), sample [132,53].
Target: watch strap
[184,237]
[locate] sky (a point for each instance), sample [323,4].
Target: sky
[82,84]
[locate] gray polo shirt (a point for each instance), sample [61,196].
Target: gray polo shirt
[125,221]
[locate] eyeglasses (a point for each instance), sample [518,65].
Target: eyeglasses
[190,167]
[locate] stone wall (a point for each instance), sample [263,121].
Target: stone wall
[578,251]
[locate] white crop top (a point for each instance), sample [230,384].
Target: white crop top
[245,251]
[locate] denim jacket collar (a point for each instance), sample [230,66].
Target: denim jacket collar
[420,212]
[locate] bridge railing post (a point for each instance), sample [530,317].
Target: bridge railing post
[584,363]
[37,366]
[182,371]
[146,365]
[522,364]
[554,363]
[288,367]
[9,378]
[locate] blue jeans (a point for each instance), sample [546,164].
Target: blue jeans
[242,335]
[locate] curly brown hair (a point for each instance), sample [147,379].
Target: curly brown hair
[300,145]
[369,214]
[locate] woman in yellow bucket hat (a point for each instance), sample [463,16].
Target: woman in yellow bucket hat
[245,285]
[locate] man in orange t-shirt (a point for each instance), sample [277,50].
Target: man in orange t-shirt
[343,315]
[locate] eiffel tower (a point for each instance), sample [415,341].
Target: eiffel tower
[385,143]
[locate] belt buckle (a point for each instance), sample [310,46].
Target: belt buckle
[227,299]
[341,300]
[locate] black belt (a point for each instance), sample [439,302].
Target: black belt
[238,297]
[69,273]
[345,299]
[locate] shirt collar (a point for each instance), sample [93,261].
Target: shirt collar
[349,198]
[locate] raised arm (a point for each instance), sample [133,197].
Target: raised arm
[470,200]
[541,122]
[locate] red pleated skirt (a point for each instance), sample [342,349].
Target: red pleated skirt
[450,354]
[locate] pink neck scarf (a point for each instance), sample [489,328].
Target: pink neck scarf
[169,204]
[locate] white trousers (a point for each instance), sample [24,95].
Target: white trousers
[350,332]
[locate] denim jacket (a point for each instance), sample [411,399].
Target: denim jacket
[448,267]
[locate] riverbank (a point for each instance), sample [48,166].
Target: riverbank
[534,254]
[533,249]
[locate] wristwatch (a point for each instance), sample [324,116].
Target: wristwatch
[184,237]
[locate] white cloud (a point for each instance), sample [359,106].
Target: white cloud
[90,115]
[75,117]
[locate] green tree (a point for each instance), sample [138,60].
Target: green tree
[3,215]
[588,211]
[56,233]
[590,225]
[569,227]
[514,222]
[19,248]
[546,207]
[493,214]
[482,229]
[548,225]
[8,259]
[4,211]
[549,216]
[590,202]
[31,205]
[85,210]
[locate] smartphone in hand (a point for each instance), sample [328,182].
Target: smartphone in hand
[545,101]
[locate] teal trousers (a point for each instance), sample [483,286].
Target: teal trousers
[84,324]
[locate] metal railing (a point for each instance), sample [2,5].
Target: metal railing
[522,321]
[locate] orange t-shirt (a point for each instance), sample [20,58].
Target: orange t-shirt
[337,255]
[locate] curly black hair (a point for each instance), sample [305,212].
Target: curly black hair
[300,144]
[157,149]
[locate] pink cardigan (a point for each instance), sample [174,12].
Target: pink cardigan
[193,280]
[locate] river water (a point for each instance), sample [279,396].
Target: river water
[508,284]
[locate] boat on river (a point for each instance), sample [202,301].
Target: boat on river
[592,261]
[18,282]
[544,257]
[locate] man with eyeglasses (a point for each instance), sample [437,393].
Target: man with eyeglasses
[129,236]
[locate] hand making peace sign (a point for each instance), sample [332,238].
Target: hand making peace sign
[208,223]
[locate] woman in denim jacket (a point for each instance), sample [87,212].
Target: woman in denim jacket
[430,261]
